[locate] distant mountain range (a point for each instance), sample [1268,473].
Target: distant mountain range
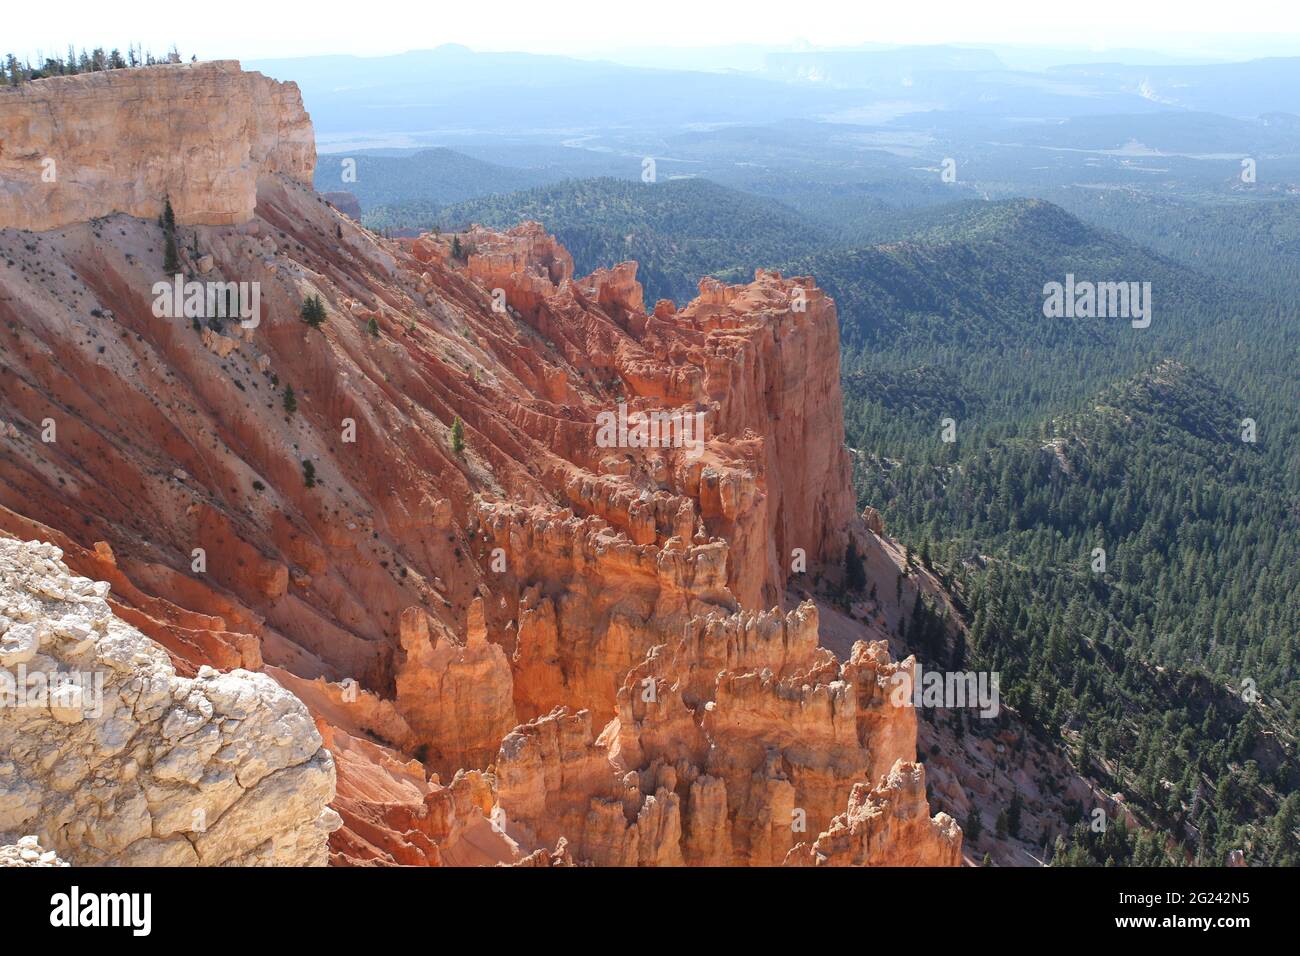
[419,96]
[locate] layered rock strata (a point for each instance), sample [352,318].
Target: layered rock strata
[566,638]
[80,147]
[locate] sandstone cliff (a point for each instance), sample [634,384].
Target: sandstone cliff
[76,148]
[540,648]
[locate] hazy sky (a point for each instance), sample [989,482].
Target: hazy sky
[247,29]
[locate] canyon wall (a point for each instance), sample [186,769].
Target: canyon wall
[546,643]
[76,148]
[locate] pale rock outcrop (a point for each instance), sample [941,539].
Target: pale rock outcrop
[873,520]
[110,758]
[28,852]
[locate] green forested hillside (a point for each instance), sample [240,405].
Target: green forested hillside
[973,275]
[677,231]
[1251,242]
[1171,675]
[949,322]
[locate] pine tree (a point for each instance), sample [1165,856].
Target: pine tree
[171,259]
[855,576]
[313,311]
[458,436]
[309,474]
[290,401]
[1013,814]
[373,328]
[974,825]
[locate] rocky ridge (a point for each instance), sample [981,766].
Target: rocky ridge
[537,649]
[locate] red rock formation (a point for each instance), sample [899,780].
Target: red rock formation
[888,825]
[456,698]
[423,601]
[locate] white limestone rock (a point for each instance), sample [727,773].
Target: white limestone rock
[107,757]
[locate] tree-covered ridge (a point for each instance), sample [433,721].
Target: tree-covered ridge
[1169,671]
[93,61]
[1251,242]
[973,275]
[677,231]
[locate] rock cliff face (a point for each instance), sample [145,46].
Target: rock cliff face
[75,148]
[109,757]
[577,636]
[737,746]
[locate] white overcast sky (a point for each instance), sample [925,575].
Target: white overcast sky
[248,29]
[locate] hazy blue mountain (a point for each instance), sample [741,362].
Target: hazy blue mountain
[452,87]
[1234,89]
[438,176]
